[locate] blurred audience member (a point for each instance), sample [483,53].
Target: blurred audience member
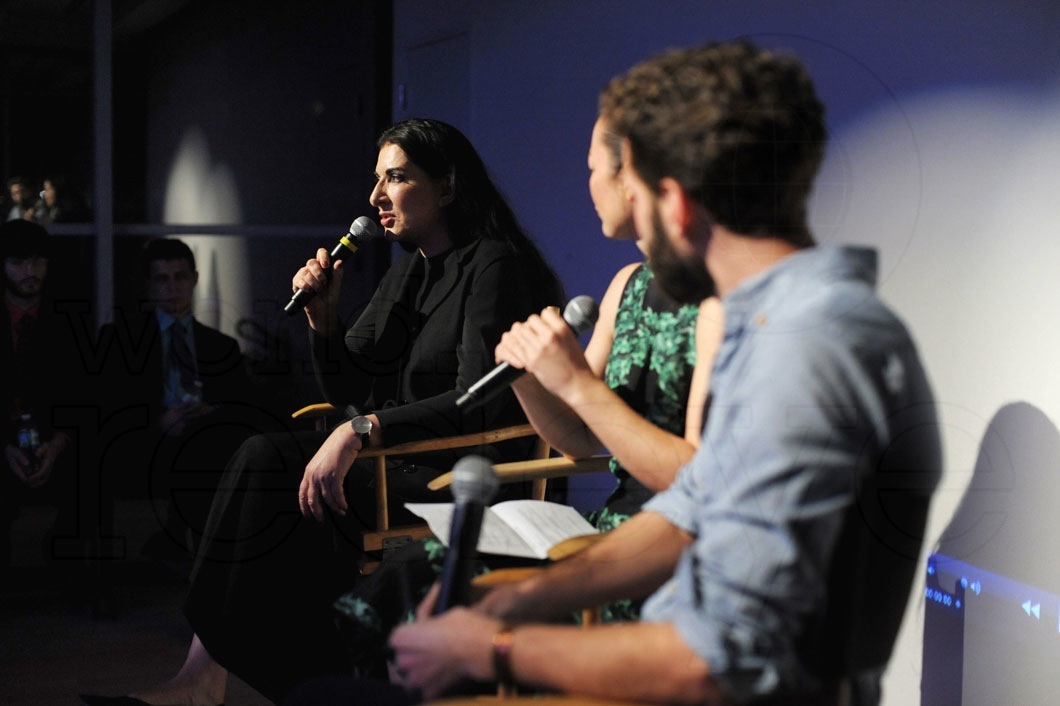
[58,204]
[179,400]
[38,360]
[21,202]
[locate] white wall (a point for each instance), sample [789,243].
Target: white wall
[945,156]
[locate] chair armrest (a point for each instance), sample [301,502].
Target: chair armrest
[558,551]
[313,411]
[573,545]
[499,577]
[480,438]
[536,469]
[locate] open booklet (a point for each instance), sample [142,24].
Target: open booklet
[524,528]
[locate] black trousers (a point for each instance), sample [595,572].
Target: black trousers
[265,577]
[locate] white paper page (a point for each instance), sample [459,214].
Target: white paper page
[495,537]
[542,524]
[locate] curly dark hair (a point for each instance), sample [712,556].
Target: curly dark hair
[740,128]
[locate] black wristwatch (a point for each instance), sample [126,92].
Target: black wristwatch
[362,427]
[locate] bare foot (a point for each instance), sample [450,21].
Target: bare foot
[200,682]
[179,692]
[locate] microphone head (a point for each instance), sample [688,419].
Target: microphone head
[474,480]
[580,313]
[363,228]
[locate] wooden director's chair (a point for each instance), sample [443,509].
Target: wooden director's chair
[384,537]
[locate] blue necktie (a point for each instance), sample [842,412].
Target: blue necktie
[180,355]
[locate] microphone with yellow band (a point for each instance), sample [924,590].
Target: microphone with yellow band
[362,229]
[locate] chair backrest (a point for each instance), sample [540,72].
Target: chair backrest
[538,470]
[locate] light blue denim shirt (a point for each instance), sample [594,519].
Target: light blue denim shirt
[813,386]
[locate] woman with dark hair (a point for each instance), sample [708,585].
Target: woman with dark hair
[275,554]
[477,211]
[59,203]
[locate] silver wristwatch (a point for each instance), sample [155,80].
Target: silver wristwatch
[362,427]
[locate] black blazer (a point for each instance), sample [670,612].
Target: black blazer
[132,350]
[409,369]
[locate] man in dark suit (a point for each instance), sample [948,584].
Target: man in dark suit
[178,396]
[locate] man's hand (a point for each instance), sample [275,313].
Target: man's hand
[20,465]
[17,463]
[174,421]
[49,452]
[436,654]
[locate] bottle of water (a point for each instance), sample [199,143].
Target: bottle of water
[29,442]
[193,395]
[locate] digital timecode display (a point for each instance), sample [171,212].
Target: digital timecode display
[939,596]
[935,591]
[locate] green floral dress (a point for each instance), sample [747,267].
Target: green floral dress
[650,367]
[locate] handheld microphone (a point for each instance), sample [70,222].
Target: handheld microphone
[580,314]
[474,485]
[360,230]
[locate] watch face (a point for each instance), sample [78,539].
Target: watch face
[362,425]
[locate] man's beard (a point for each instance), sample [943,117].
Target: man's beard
[23,289]
[686,280]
